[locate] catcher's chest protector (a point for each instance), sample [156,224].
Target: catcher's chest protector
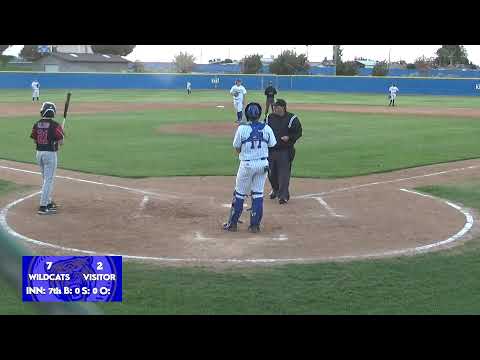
[256,135]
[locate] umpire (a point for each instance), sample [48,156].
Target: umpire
[287,129]
[270,93]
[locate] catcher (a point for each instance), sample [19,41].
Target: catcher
[47,135]
[251,142]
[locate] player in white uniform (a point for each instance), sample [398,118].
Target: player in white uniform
[35,91]
[238,92]
[189,87]
[251,142]
[392,94]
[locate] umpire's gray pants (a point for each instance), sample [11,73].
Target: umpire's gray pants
[279,175]
[47,160]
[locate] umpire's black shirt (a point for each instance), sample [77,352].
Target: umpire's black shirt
[286,125]
[270,92]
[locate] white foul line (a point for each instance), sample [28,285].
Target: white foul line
[95,183]
[383,182]
[326,206]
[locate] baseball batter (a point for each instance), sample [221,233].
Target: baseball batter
[35,91]
[48,135]
[251,142]
[392,90]
[238,92]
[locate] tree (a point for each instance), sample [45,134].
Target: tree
[289,63]
[423,65]
[4,59]
[122,50]
[380,69]
[30,52]
[3,48]
[138,66]
[251,64]
[451,55]
[349,68]
[184,62]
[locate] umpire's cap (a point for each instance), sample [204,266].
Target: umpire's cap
[281,102]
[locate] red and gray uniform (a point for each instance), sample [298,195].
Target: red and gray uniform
[47,133]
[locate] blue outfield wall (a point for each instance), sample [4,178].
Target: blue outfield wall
[354,84]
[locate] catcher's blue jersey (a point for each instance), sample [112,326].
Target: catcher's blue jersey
[254,140]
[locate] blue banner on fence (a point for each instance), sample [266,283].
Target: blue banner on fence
[71,278]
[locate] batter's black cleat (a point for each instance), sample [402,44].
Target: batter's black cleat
[52,207]
[273,194]
[42,210]
[282,201]
[230,227]
[254,229]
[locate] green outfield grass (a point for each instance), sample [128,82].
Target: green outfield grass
[333,145]
[217,96]
[431,284]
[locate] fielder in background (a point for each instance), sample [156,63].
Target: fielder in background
[189,87]
[251,142]
[287,129]
[392,94]
[47,135]
[238,92]
[270,93]
[35,91]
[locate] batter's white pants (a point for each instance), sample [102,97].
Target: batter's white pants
[47,160]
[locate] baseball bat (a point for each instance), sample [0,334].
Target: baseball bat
[65,109]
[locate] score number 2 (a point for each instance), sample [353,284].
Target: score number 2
[99,265]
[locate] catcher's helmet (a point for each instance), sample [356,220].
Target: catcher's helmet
[253,111]
[48,110]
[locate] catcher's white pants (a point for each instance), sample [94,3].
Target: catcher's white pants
[251,177]
[47,160]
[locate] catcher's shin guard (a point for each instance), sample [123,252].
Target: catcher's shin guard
[235,210]
[257,209]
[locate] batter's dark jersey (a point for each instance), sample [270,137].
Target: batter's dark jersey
[47,133]
[270,92]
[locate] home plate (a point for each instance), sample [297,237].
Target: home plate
[280,237]
[220,106]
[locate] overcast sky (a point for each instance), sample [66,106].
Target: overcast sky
[203,53]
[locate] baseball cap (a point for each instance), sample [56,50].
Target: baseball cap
[281,102]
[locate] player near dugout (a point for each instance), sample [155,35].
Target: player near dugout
[47,135]
[251,142]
